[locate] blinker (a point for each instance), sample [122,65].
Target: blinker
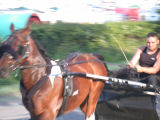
[6,49]
[20,50]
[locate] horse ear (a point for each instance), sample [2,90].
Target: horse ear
[12,27]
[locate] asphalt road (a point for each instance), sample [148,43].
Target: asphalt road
[11,108]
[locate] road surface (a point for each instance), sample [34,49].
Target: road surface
[11,108]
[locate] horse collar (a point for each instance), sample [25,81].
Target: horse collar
[55,72]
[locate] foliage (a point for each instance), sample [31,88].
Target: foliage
[11,80]
[61,39]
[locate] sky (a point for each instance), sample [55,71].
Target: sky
[73,10]
[45,4]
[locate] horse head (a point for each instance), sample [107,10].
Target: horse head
[14,51]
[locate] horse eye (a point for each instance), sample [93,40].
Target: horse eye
[20,50]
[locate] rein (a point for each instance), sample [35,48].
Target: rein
[121,49]
[62,63]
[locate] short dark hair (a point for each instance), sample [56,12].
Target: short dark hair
[152,34]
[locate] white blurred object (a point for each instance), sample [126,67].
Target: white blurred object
[150,14]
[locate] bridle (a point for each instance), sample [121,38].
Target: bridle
[26,53]
[13,55]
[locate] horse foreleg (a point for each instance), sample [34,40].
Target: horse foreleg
[90,113]
[84,108]
[91,103]
[91,117]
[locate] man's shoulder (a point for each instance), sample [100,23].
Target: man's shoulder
[141,48]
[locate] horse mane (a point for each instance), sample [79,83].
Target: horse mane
[100,57]
[42,51]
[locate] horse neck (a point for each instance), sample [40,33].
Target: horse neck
[32,75]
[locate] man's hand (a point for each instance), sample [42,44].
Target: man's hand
[139,68]
[130,65]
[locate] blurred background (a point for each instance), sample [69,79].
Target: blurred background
[89,26]
[85,11]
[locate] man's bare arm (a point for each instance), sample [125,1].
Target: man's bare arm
[150,70]
[135,58]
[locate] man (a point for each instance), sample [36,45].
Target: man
[149,59]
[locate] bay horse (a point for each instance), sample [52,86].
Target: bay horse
[41,96]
